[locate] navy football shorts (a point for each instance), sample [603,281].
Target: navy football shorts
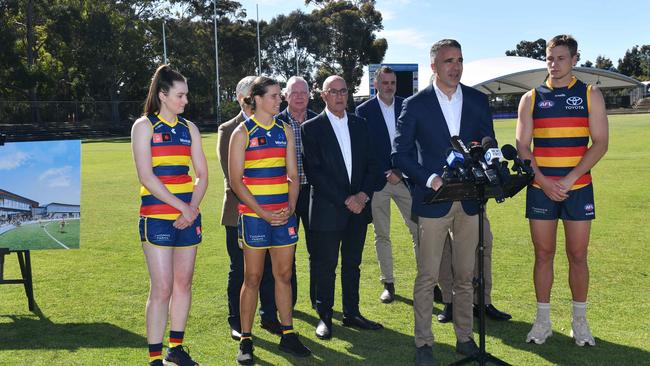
[579,206]
[256,233]
[162,233]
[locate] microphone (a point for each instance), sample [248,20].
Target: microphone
[492,151]
[510,153]
[489,159]
[456,162]
[476,151]
[459,146]
[521,167]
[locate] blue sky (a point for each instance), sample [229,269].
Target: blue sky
[47,171]
[487,29]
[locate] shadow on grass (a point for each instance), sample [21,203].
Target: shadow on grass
[404,300]
[560,349]
[38,332]
[366,347]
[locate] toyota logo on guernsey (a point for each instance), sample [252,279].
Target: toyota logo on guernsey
[574,103]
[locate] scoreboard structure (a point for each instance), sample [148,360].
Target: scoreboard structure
[407,78]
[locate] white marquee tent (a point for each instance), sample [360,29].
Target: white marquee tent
[514,74]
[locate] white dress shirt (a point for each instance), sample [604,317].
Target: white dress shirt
[388,111]
[452,109]
[340,127]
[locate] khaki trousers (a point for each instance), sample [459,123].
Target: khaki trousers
[380,205]
[446,278]
[432,236]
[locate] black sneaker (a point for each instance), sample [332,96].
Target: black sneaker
[245,355]
[291,344]
[179,356]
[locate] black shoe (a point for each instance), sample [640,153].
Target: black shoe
[235,334]
[272,326]
[156,363]
[360,322]
[468,348]
[447,314]
[492,313]
[291,343]
[245,355]
[437,294]
[324,329]
[424,356]
[389,293]
[179,356]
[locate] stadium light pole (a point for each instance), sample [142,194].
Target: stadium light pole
[297,67]
[259,49]
[216,66]
[164,44]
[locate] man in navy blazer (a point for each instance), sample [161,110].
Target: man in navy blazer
[342,172]
[428,120]
[381,114]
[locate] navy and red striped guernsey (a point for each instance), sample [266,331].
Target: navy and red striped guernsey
[265,172]
[170,157]
[561,129]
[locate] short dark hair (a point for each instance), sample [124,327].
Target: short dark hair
[440,44]
[259,88]
[162,80]
[383,70]
[564,40]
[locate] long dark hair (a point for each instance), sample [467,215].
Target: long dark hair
[259,88]
[162,80]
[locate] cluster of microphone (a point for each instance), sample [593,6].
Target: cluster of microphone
[483,164]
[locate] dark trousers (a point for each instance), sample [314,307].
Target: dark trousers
[236,279]
[325,255]
[302,212]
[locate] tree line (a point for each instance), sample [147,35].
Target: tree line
[635,63]
[90,51]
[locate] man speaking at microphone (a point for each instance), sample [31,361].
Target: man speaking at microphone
[428,121]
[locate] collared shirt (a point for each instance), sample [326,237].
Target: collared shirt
[295,126]
[452,110]
[340,127]
[388,111]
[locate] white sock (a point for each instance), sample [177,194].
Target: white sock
[543,312]
[579,309]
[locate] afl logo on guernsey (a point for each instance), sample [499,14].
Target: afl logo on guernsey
[546,104]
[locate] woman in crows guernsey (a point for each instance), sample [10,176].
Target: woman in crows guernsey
[164,144]
[264,176]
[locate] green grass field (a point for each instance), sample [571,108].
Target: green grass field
[33,236]
[92,300]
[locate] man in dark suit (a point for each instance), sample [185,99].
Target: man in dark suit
[381,113]
[342,172]
[229,216]
[429,119]
[296,94]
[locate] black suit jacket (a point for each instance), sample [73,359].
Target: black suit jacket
[326,172]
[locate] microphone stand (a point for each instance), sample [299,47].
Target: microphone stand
[481,192]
